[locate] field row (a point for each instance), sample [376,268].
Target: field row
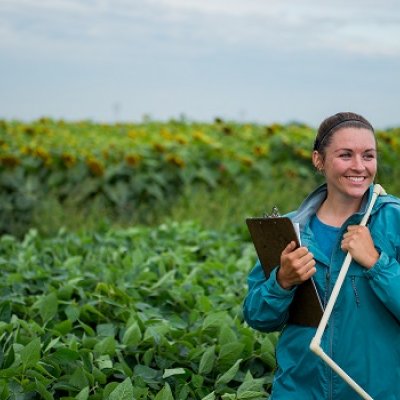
[138,313]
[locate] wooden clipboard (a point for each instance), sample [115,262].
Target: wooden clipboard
[270,235]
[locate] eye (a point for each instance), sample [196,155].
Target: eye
[345,155]
[369,156]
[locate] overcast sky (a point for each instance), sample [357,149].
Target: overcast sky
[246,60]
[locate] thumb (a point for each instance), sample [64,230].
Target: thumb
[289,248]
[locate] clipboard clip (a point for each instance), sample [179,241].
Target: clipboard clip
[274,213]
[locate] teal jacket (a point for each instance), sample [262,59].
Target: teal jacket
[363,333]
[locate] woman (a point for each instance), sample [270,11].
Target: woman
[363,333]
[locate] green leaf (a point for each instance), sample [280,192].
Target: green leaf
[64,356]
[106,346]
[226,335]
[63,327]
[214,320]
[73,262]
[30,354]
[204,304]
[72,312]
[83,394]
[230,374]
[124,391]
[173,371]
[41,389]
[229,396]
[88,330]
[78,379]
[207,361]
[252,385]
[210,396]
[251,394]
[4,392]
[166,280]
[267,351]
[229,353]
[52,343]
[132,335]
[165,393]
[104,362]
[105,330]
[149,375]
[48,306]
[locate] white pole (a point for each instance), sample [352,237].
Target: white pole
[315,344]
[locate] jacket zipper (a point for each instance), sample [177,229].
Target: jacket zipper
[329,331]
[353,283]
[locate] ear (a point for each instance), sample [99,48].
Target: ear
[317,160]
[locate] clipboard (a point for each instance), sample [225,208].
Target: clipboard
[270,235]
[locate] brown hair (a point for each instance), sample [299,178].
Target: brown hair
[335,122]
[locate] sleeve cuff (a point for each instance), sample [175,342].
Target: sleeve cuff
[272,286]
[377,267]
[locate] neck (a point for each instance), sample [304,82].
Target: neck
[334,211]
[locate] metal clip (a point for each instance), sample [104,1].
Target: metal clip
[274,213]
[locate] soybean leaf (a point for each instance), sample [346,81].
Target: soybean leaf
[229,353]
[173,371]
[41,389]
[83,394]
[165,393]
[106,346]
[267,351]
[48,306]
[214,320]
[251,394]
[210,396]
[132,335]
[207,361]
[226,335]
[124,391]
[78,379]
[30,354]
[230,374]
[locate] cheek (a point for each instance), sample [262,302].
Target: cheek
[335,166]
[374,166]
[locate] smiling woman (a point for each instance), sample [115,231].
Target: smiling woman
[345,152]
[367,312]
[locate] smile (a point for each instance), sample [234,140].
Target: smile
[355,178]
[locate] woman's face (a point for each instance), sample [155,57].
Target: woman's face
[350,162]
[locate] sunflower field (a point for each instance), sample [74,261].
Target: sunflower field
[144,311]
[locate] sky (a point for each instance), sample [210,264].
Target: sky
[258,61]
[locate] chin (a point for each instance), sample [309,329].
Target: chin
[357,192]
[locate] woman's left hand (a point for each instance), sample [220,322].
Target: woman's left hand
[358,242]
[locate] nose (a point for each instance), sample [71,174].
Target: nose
[358,163]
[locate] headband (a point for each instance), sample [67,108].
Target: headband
[318,142]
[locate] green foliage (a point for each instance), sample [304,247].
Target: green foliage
[135,313]
[140,171]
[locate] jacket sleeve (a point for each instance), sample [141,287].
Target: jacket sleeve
[266,304]
[384,279]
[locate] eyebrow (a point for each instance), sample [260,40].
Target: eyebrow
[351,150]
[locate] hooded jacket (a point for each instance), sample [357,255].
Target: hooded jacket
[363,332]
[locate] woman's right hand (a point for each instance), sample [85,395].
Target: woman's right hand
[297,265]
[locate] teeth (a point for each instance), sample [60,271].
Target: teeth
[356,178]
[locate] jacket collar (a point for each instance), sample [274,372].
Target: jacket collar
[314,200]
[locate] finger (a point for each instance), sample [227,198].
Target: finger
[311,272]
[307,272]
[308,256]
[289,248]
[301,252]
[307,266]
